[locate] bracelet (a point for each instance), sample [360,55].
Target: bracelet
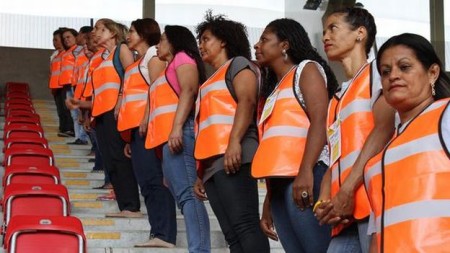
[317,204]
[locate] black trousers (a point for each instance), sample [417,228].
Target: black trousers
[234,200]
[65,119]
[116,163]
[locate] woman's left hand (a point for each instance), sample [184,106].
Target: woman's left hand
[176,140]
[303,182]
[232,157]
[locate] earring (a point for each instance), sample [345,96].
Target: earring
[358,39]
[433,91]
[285,55]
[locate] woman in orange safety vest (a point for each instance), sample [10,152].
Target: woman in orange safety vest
[408,181]
[226,133]
[144,34]
[171,127]
[292,155]
[360,123]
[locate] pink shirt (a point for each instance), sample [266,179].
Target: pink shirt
[171,73]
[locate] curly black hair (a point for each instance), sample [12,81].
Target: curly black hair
[300,48]
[182,39]
[233,33]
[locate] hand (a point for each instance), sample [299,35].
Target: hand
[87,125]
[303,182]
[344,204]
[72,103]
[143,126]
[80,118]
[176,140]
[199,190]
[325,214]
[232,157]
[127,150]
[266,222]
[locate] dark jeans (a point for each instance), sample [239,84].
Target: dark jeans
[234,200]
[98,165]
[158,199]
[116,163]
[64,117]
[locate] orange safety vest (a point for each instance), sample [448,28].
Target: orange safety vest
[163,106]
[67,66]
[215,110]
[134,98]
[94,62]
[407,185]
[283,133]
[354,112]
[55,68]
[106,82]
[81,61]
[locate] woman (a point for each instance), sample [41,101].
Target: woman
[415,84]
[143,34]
[171,127]
[360,123]
[227,136]
[106,81]
[292,155]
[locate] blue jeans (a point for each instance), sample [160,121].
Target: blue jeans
[353,239]
[158,199]
[98,165]
[299,231]
[180,172]
[77,127]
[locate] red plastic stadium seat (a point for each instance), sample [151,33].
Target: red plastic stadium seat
[17,86]
[20,120]
[34,199]
[19,107]
[43,234]
[23,114]
[21,130]
[21,142]
[24,174]
[28,156]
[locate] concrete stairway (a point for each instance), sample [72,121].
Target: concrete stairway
[109,235]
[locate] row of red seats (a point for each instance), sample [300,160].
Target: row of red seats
[36,206]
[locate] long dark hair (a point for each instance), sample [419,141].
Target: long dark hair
[233,33]
[425,54]
[181,39]
[300,49]
[148,29]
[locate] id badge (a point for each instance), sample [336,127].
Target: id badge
[334,138]
[268,107]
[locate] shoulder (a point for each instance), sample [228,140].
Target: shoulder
[182,58]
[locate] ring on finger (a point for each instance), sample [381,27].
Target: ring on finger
[305,194]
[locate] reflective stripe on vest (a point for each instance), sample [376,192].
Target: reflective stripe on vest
[215,111]
[354,111]
[163,106]
[285,128]
[81,63]
[134,98]
[408,187]
[94,62]
[55,68]
[106,83]
[67,66]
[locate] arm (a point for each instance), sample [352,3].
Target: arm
[315,95]
[187,75]
[126,58]
[246,89]
[384,117]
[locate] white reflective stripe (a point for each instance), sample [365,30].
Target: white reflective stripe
[219,85]
[56,72]
[356,106]
[435,105]
[65,68]
[424,144]
[416,210]
[159,81]
[163,110]
[285,93]
[135,97]
[105,64]
[107,86]
[131,72]
[215,120]
[345,164]
[288,131]
[372,172]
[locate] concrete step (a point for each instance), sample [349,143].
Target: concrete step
[160,250]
